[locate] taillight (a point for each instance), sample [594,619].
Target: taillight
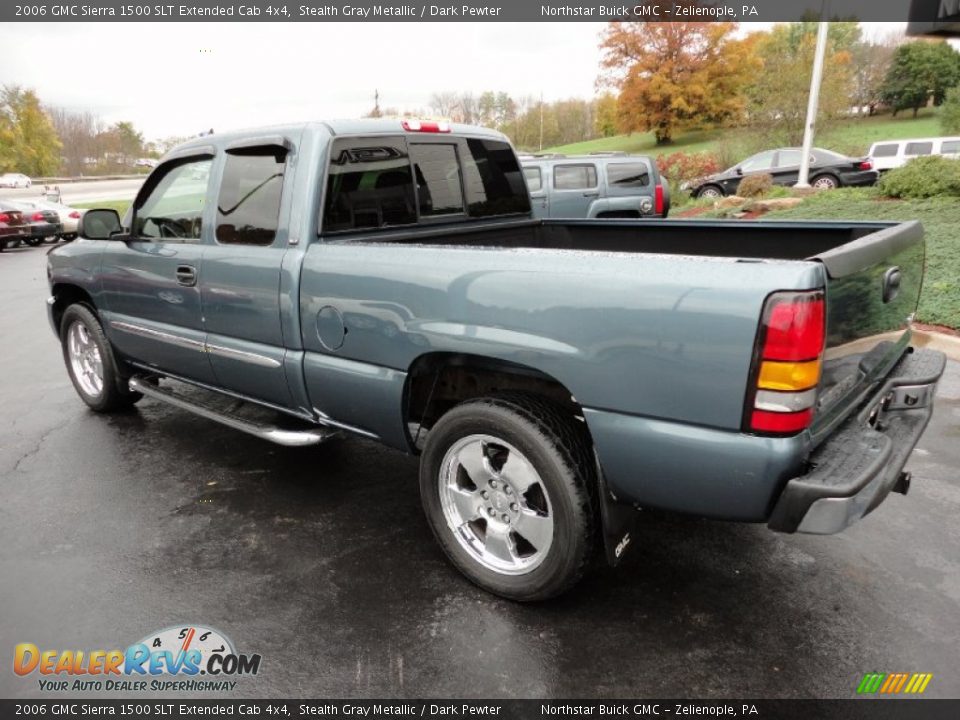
[658,199]
[38,217]
[789,357]
[865,165]
[426,127]
[75,215]
[4,218]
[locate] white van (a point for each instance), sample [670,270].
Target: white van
[890,154]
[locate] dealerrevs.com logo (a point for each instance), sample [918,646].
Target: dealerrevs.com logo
[186,658]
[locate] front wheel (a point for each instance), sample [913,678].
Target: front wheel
[506,485]
[34,241]
[710,191]
[90,362]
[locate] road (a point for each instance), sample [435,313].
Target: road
[82,192]
[112,527]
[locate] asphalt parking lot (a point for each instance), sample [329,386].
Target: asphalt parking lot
[320,560]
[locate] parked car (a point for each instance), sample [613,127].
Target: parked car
[601,185]
[889,154]
[15,180]
[44,224]
[13,227]
[69,217]
[552,375]
[828,170]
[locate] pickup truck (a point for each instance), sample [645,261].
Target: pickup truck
[386,279]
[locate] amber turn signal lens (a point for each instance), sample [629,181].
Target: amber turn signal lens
[789,376]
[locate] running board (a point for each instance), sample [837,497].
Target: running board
[280,436]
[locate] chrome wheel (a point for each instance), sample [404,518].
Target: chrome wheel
[496,504]
[825,183]
[710,192]
[85,359]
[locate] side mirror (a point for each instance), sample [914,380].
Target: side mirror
[739,171]
[99,224]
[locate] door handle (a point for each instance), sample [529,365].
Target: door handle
[186,275]
[591,194]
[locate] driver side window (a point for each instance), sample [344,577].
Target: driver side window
[173,210]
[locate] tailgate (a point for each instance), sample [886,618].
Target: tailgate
[873,285]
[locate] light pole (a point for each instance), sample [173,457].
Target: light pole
[802,180]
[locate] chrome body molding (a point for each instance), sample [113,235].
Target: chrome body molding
[199,346]
[326,420]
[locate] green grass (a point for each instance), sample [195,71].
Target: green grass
[119,205]
[852,136]
[940,298]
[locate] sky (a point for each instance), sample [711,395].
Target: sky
[178,79]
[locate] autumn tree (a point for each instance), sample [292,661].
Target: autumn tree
[28,141]
[673,75]
[920,72]
[780,89]
[78,133]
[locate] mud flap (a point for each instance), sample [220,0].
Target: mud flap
[617,521]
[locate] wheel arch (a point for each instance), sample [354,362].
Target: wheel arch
[66,294]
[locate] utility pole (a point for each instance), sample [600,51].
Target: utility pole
[541,121]
[812,101]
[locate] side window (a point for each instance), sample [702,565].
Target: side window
[888,150]
[759,162]
[248,206]
[437,174]
[950,147]
[918,148]
[628,175]
[574,177]
[534,178]
[369,185]
[493,180]
[173,209]
[789,158]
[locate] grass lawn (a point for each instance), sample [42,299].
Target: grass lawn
[940,298]
[851,136]
[119,205]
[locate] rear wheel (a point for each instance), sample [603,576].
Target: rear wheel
[90,362]
[34,241]
[506,485]
[710,191]
[825,182]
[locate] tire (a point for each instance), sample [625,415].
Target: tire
[535,467]
[34,242]
[825,182]
[90,362]
[710,191]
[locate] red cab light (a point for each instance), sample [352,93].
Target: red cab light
[865,165]
[425,126]
[658,199]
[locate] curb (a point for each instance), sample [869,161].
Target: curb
[947,344]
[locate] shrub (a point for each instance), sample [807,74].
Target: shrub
[950,115]
[755,185]
[923,177]
[680,167]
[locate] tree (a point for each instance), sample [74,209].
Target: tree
[77,132]
[950,117]
[780,89]
[920,71]
[869,64]
[673,75]
[28,141]
[605,115]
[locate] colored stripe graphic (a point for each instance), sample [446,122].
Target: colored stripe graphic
[894,683]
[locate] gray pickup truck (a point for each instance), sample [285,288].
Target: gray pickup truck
[386,279]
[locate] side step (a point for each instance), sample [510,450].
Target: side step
[281,436]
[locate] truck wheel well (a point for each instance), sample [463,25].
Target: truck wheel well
[68,295]
[437,382]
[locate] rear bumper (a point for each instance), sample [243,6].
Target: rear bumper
[857,467]
[859,178]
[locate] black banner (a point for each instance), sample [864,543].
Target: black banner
[853,709]
[924,13]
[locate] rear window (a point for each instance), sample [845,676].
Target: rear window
[249,203]
[534,178]
[574,177]
[918,148]
[493,179]
[888,150]
[437,173]
[370,185]
[950,147]
[628,175]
